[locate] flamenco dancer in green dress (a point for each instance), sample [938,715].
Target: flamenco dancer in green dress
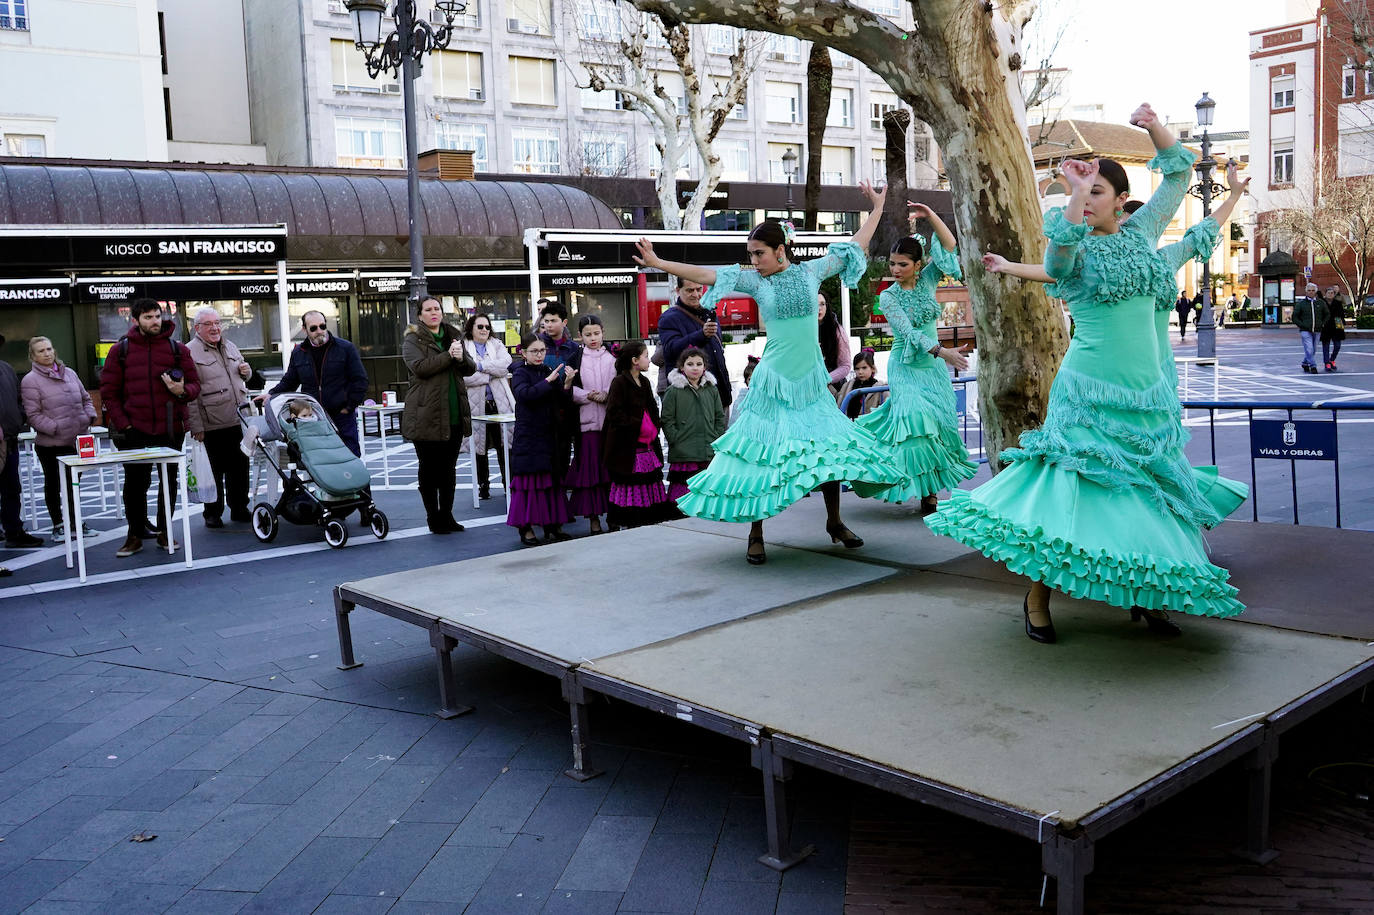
[918,421]
[1100,502]
[789,437]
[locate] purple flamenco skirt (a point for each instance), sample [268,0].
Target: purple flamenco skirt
[641,499]
[587,477]
[535,500]
[680,474]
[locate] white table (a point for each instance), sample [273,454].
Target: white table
[382,412]
[500,421]
[1214,361]
[71,514]
[29,442]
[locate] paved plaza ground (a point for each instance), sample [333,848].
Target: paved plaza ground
[204,707]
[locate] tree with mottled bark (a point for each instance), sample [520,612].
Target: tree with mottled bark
[896,222]
[820,75]
[957,70]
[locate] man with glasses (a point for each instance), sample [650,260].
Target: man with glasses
[329,369]
[213,416]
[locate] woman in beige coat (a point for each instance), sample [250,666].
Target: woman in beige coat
[489,392]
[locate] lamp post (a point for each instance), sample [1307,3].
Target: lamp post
[1206,330]
[402,51]
[789,167]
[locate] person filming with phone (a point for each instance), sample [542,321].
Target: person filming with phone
[688,324]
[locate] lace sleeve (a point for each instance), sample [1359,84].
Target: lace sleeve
[843,257]
[942,263]
[1061,255]
[1176,164]
[900,323]
[731,279]
[1197,244]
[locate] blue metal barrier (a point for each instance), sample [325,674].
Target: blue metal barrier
[960,406]
[1287,445]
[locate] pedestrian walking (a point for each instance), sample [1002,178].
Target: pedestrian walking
[789,438]
[213,417]
[588,481]
[1333,329]
[59,408]
[536,483]
[488,393]
[436,417]
[1184,308]
[1309,317]
[692,419]
[634,458]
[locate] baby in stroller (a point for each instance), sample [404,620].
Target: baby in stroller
[328,481]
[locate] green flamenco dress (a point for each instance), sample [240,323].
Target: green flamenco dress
[789,436]
[919,421]
[1100,502]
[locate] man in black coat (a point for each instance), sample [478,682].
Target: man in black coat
[688,324]
[329,369]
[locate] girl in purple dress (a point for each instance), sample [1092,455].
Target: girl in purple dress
[632,453]
[536,493]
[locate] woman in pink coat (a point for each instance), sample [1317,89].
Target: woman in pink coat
[59,409]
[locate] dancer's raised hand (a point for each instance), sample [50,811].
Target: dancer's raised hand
[957,358]
[1079,174]
[994,263]
[1144,117]
[1233,182]
[875,197]
[646,256]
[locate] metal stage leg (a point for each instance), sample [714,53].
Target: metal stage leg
[776,773]
[443,657]
[341,610]
[582,769]
[1069,860]
[1259,770]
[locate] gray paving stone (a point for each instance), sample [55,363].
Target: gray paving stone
[810,903]
[695,803]
[384,801]
[209,902]
[503,808]
[52,825]
[141,898]
[501,739]
[337,904]
[670,873]
[606,856]
[287,704]
[263,856]
[450,796]
[135,740]
[641,786]
[581,902]
[200,805]
[311,876]
[31,882]
[215,721]
[395,861]
[453,876]
[233,743]
[443,742]
[163,789]
[208,847]
[96,836]
[30,739]
[286,742]
[742,839]
[288,782]
[824,873]
[724,897]
[98,705]
[344,736]
[426,908]
[62,907]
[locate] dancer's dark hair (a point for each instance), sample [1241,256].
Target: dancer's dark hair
[910,246]
[772,234]
[1114,175]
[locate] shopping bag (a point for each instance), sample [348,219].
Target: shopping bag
[200,479]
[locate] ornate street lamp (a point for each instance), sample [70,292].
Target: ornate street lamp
[1206,330]
[402,52]
[789,167]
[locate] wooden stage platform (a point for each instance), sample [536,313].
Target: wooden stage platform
[903,665]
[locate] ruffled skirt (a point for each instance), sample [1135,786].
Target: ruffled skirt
[918,422]
[535,500]
[641,501]
[1100,503]
[588,481]
[788,438]
[680,474]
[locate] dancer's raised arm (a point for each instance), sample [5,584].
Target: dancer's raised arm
[942,232]
[875,198]
[996,263]
[706,276]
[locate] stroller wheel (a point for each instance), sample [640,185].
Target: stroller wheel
[380,526]
[335,533]
[264,522]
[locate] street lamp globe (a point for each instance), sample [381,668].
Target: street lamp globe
[451,8]
[789,162]
[367,21]
[1204,108]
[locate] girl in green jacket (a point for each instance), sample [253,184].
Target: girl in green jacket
[693,418]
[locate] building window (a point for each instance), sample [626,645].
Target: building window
[1348,81]
[784,102]
[689,166]
[784,47]
[369,142]
[1283,166]
[458,74]
[529,17]
[734,159]
[741,111]
[837,165]
[25,144]
[535,151]
[879,106]
[1369,78]
[532,81]
[877,162]
[722,39]
[1283,91]
[1356,153]
[607,99]
[600,20]
[350,70]
[606,154]
[671,82]
[776,172]
[888,8]
[14,14]
[471,137]
[469,18]
[841,108]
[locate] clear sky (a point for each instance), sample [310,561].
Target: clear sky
[1165,52]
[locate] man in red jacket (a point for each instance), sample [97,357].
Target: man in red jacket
[147,381]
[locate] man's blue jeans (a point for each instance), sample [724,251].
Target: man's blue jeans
[1309,347]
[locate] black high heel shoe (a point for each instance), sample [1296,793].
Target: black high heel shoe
[755,559]
[1043,634]
[1159,625]
[837,535]
[527,536]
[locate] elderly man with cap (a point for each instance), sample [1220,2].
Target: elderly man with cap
[213,417]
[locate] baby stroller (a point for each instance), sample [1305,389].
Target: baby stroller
[334,481]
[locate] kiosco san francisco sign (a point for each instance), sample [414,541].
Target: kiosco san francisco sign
[125,248]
